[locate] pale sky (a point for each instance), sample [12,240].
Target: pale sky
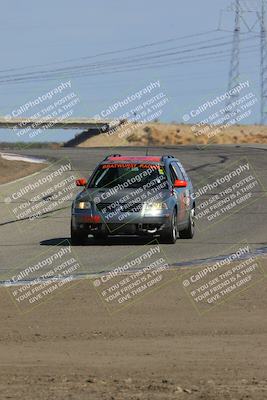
[44,35]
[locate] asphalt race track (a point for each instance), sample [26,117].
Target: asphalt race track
[23,240]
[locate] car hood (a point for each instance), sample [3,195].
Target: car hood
[123,196]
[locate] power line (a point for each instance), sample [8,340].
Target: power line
[134,60]
[151,44]
[217,56]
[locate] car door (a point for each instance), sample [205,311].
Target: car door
[182,194]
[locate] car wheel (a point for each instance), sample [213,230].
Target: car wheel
[77,237]
[188,233]
[169,235]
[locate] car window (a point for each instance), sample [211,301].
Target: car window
[172,174]
[130,176]
[183,172]
[177,171]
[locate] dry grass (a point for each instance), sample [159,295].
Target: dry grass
[176,134]
[11,170]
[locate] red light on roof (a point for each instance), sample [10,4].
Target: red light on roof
[135,158]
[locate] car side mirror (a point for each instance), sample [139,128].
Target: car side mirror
[179,183]
[81,182]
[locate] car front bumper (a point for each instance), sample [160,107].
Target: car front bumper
[123,223]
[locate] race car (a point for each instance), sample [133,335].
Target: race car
[130,195]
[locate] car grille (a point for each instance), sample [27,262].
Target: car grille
[124,207]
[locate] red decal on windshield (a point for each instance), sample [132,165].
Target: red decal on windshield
[149,166]
[105,166]
[142,166]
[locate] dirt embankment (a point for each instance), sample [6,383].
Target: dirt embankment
[158,134]
[11,170]
[159,348]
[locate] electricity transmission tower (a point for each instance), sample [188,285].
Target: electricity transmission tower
[262,18]
[240,8]
[234,66]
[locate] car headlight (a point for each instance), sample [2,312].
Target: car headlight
[83,205]
[155,206]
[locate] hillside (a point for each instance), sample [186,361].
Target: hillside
[176,134]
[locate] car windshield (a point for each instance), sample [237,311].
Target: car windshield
[128,175]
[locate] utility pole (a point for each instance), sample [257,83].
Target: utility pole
[260,11]
[263,64]
[234,65]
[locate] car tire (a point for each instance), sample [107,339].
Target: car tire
[77,237]
[169,234]
[189,232]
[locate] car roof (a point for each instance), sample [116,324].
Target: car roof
[136,159]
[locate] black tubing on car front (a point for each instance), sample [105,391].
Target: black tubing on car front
[77,238]
[169,234]
[189,232]
[100,236]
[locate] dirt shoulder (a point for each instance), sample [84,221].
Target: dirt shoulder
[11,170]
[158,348]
